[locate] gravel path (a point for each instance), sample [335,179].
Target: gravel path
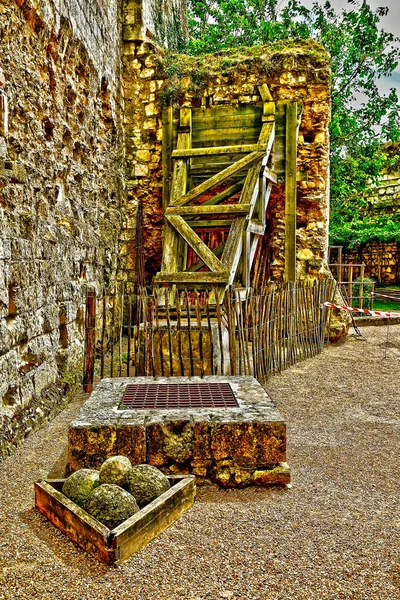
[334,535]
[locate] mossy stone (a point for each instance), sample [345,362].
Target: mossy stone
[114,470]
[111,505]
[146,483]
[80,485]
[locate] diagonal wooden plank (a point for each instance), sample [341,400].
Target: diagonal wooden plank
[233,247]
[218,178]
[200,248]
[225,194]
[199,264]
[234,244]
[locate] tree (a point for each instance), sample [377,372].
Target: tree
[362,118]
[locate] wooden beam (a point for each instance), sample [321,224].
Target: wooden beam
[271,175]
[290,191]
[233,248]
[203,277]
[246,267]
[224,209]
[171,250]
[256,228]
[167,121]
[203,223]
[218,150]
[200,248]
[219,178]
[199,264]
[265,93]
[231,191]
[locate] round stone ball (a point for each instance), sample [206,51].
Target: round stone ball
[146,483]
[111,505]
[80,485]
[114,470]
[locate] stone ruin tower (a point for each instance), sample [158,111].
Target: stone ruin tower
[91,109]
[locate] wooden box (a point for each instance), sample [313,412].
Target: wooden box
[114,546]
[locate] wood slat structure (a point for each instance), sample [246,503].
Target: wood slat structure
[219,167]
[208,332]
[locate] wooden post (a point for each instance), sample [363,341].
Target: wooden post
[362,271]
[351,285]
[167,122]
[290,191]
[90,341]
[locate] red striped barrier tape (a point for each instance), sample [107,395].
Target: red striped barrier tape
[374,313]
[384,296]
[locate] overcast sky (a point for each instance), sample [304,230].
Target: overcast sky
[390,23]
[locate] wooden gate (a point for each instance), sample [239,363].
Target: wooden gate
[218,173]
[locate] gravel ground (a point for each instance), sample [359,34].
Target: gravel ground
[334,534]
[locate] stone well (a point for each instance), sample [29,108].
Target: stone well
[237,445]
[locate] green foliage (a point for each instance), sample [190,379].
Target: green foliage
[363,288]
[362,118]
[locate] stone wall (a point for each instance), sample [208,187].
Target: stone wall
[299,71]
[381,260]
[163,21]
[60,205]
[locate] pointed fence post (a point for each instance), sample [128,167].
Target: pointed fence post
[90,341]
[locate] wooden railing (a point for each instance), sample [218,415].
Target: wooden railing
[190,333]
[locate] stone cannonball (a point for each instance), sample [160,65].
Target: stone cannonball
[80,485]
[146,483]
[114,470]
[111,505]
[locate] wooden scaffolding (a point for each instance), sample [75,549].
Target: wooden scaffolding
[219,165]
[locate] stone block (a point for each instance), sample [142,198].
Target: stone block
[234,447]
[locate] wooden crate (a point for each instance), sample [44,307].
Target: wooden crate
[114,546]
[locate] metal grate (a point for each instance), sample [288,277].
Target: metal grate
[178,395]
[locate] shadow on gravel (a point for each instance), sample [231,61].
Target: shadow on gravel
[58,544]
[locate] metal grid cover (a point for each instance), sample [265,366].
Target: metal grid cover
[178,395]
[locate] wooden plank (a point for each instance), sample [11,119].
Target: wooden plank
[152,520]
[167,119]
[170,260]
[72,520]
[246,259]
[217,110]
[222,209]
[271,175]
[255,227]
[231,255]
[90,341]
[203,223]
[265,93]
[224,195]
[235,135]
[200,248]
[199,264]
[203,277]
[220,177]
[240,149]
[290,192]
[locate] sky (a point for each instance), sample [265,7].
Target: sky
[390,23]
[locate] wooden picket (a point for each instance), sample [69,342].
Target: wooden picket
[188,332]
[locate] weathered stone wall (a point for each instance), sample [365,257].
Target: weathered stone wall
[163,21]
[59,194]
[298,72]
[381,260]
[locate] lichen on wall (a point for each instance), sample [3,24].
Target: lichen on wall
[60,204]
